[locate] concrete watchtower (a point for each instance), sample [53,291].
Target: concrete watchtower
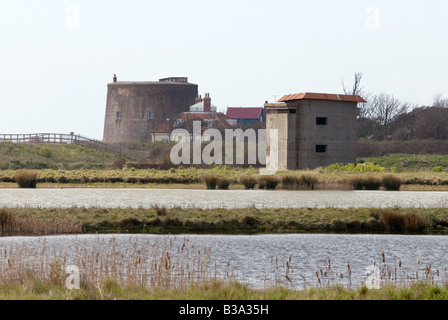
[133,109]
[314,129]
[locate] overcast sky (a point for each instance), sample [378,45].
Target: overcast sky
[56,57]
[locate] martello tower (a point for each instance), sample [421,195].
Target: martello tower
[133,109]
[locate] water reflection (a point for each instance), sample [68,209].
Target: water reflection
[134,198]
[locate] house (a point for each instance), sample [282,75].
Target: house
[202,112]
[202,104]
[311,130]
[247,116]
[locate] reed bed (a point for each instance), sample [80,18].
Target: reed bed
[381,273]
[166,264]
[172,263]
[306,181]
[31,225]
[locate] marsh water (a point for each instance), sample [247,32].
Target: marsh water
[258,260]
[109,198]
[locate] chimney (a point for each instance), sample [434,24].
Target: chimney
[198,99]
[207,102]
[115,78]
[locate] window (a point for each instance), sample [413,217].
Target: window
[292,111]
[321,148]
[321,121]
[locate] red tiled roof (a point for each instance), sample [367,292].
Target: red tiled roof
[322,96]
[244,113]
[163,128]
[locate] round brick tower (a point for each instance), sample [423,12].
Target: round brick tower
[133,109]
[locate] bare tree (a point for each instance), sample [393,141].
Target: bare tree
[439,101]
[356,89]
[384,109]
[365,123]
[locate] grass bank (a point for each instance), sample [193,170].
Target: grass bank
[35,221]
[217,290]
[331,178]
[17,156]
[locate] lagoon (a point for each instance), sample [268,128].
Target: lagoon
[227,199]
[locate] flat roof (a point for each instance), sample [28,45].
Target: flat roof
[152,83]
[322,96]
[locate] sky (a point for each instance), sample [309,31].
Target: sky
[57,57]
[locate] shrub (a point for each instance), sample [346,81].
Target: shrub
[309,180]
[360,167]
[249,182]
[372,183]
[119,163]
[7,223]
[46,152]
[133,180]
[362,182]
[291,182]
[392,219]
[223,183]
[160,211]
[211,181]
[391,182]
[437,169]
[295,182]
[27,179]
[396,221]
[62,179]
[414,222]
[268,182]
[250,220]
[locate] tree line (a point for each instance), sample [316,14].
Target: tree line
[384,117]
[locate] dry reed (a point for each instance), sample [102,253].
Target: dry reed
[223,183]
[249,182]
[26,179]
[160,264]
[210,181]
[35,226]
[395,274]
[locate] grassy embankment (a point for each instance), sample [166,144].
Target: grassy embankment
[33,221]
[330,178]
[76,166]
[217,290]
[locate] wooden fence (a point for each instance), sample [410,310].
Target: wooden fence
[73,139]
